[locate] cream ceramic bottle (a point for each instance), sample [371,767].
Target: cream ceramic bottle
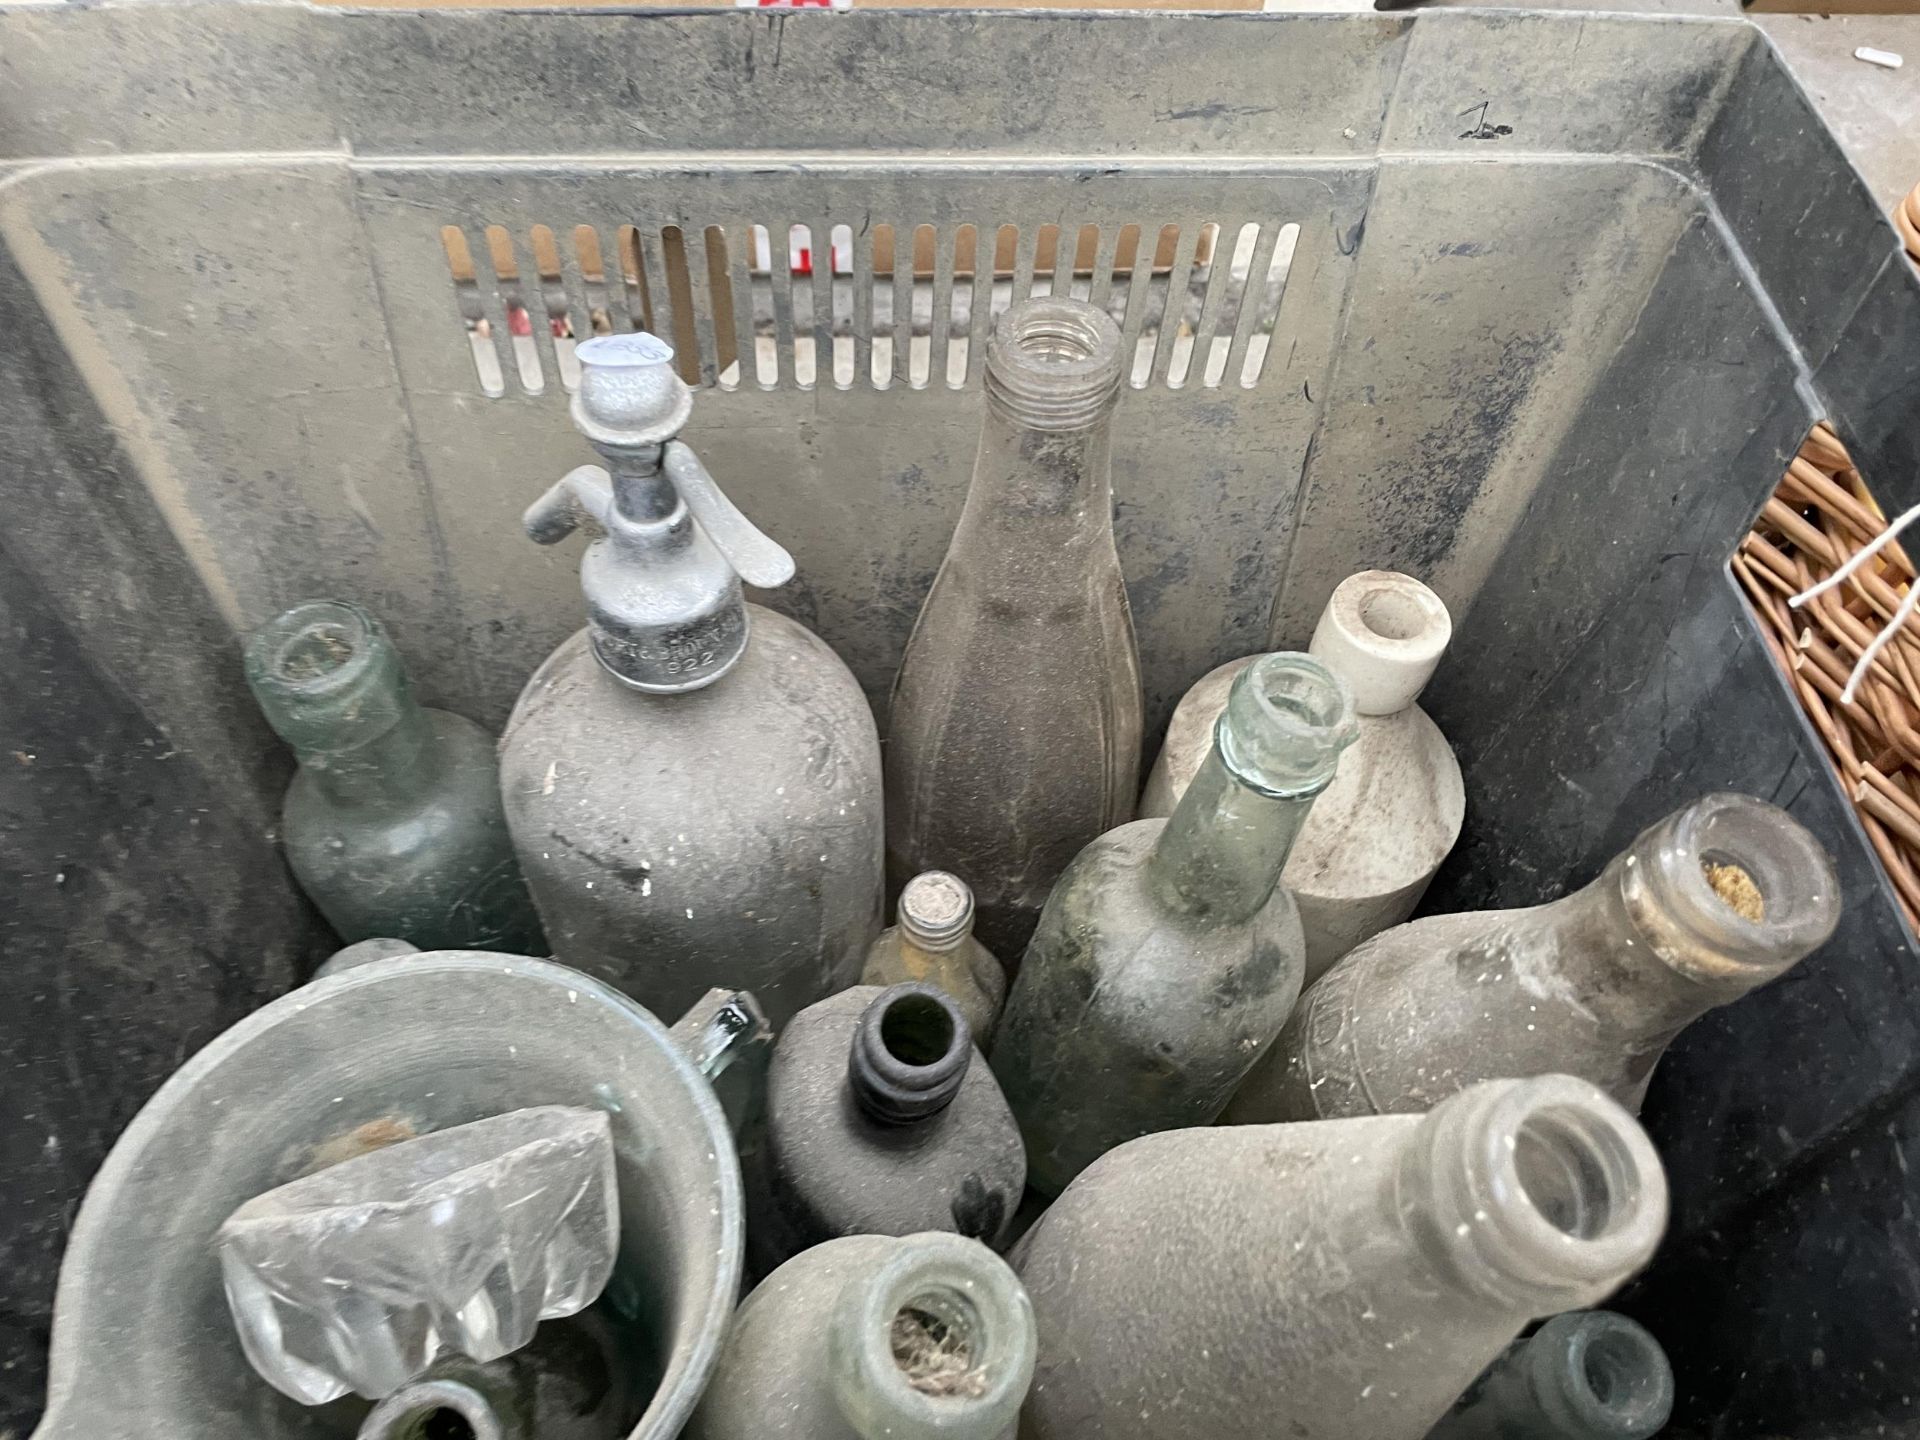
[1395,809]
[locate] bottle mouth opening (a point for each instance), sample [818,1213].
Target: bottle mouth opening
[937,1344]
[1543,1192]
[1577,1176]
[1393,614]
[1747,886]
[1623,1374]
[940,1331]
[1287,719]
[917,1030]
[316,647]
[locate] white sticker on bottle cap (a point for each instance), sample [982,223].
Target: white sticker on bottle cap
[637,348]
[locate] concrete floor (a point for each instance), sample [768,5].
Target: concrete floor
[1874,112]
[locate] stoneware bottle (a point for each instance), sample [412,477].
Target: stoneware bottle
[933,941]
[1338,1281]
[1589,1375]
[693,782]
[882,1119]
[1716,899]
[1015,729]
[872,1337]
[393,823]
[1169,955]
[1393,812]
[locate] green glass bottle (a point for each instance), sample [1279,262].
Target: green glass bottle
[1169,955]
[1585,1375]
[393,823]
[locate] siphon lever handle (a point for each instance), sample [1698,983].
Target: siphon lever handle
[755,557]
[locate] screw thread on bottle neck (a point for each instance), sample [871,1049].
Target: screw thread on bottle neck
[936,911]
[1053,364]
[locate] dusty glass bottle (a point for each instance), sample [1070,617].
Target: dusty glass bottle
[1375,838]
[1718,898]
[882,1119]
[1016,716]
[932,941]
[1336,1281]
[575,1381]
[692,782]
[1169,954]
[872,1337]
[393,822]
[1589,1375]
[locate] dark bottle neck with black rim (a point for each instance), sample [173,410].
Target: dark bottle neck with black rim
[909,1056]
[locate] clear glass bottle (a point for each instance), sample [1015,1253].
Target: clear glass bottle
[1588,1375]
[882,1119]
[692,782]
[1716,899]
[872,1337]
[1393,812]
[933,942]
[393,823]
[1169,954]
[1016,717]
[1338,1281]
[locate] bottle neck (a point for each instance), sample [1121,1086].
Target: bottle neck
[642,493]
[1530,1197]
[1053,375]
[937,1343]
[392,767]
[1057,479]
[1708,904]
[331,684]
[665,610]
[1220,854]
[909,1055]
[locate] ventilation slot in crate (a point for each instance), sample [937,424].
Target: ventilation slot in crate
[808,305]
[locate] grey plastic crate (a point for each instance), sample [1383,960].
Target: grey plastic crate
[1556,297]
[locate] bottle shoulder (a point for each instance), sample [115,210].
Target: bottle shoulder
[788,677]
[1392,814]
[1106,939]
[961,1168]
[970,966]
[786,737]
[813,1116]
[453,786]
[772,1377]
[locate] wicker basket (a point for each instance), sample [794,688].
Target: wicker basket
[1821,515]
